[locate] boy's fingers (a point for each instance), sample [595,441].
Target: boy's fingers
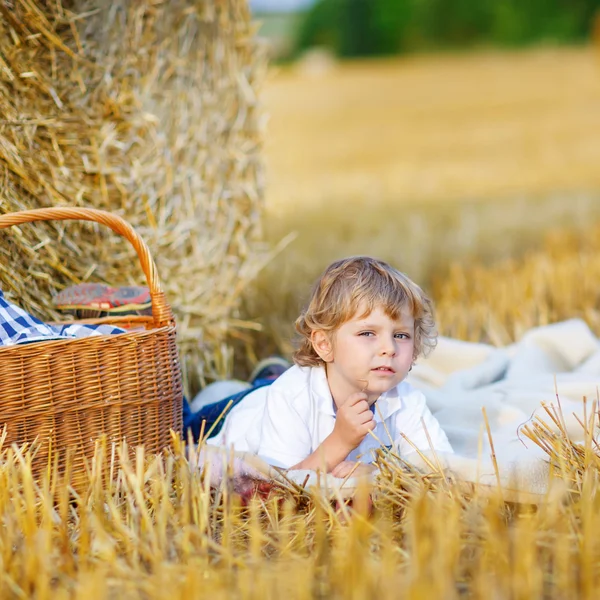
[370,425]
[356,398]
[366,416]
[361,407]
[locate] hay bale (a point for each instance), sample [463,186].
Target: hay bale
[147,109]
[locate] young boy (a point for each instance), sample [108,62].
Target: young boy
[365,325]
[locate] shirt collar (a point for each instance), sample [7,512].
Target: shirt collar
[386,405]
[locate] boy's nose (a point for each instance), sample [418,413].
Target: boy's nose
[388,348]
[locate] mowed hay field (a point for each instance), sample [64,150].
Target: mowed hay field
[425,161]
[153,529]
[447,127]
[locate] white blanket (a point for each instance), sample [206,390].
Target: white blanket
[511,383]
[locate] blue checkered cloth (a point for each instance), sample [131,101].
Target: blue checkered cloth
[19,327]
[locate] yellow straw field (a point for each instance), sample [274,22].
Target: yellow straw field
[499,304]
[472,126]
[149,528]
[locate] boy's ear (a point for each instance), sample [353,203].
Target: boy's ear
[322,345]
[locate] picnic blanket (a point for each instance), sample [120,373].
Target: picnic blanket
[19,327]
[561,361]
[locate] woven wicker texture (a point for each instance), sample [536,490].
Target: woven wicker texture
[66,393]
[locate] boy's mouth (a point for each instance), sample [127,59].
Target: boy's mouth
[384,370]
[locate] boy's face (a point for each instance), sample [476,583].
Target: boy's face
[371,354]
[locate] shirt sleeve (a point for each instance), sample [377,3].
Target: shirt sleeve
[413,422]
[285,436]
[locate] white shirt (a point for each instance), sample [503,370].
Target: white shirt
[286,421]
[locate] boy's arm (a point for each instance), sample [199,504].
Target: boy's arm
[328,455]
[353,422]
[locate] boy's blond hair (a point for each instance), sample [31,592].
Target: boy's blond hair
[350,282]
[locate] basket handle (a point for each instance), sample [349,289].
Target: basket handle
[161,311]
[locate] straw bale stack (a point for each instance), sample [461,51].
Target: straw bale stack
[148,109]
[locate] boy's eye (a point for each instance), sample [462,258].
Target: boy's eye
[366,333]
[402,336]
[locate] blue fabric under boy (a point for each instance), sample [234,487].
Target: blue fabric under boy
[211,412]
[19,327]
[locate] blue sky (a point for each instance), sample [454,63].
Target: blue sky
[280,5]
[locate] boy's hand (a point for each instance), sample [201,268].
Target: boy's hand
[354,420]
[347,467]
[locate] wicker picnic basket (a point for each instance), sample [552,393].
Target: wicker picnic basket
[67,393]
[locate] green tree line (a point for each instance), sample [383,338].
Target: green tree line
[379,27]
